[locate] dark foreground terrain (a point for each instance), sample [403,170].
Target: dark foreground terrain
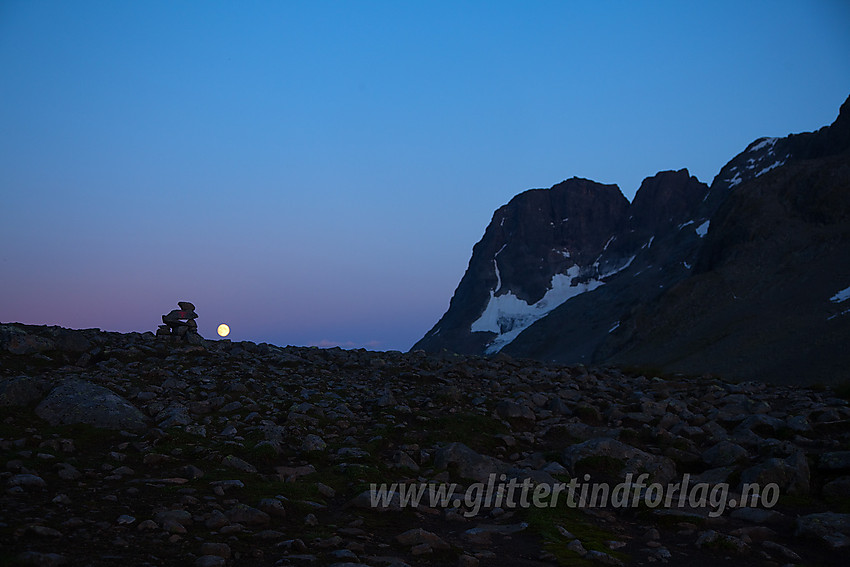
[137,450]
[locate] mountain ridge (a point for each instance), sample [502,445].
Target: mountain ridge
[519,297]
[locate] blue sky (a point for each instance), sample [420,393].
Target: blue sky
[318,172]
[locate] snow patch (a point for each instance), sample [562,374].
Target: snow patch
[507,315]
[735,180]
[831,317]
[763,144]
[842,295]
[614,328]
[768,168]
[648,244]
[614,270]
[684,224]
[702,229]
[496,267]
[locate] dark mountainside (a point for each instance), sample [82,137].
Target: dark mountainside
[736,279]
[144,450]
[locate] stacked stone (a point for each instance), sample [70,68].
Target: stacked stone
[181,323]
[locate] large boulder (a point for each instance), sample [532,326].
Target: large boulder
[635,461]
[834,461]
[724,453]
[22,390]
[792,475]
[18,341]
[831,528]
[76,401]
[508,409]
[470,464]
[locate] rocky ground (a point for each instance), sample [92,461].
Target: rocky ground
[136,449]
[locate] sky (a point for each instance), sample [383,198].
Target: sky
[316,173]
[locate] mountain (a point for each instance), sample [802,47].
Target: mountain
[743,278]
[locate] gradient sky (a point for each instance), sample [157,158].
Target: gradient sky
[316,173]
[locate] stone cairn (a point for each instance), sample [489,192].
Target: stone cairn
[180,323]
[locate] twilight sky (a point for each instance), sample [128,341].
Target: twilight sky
[316,173]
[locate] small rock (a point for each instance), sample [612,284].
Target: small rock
[565,533]
[418,536]
[272,507]
[68,472]
[576,547]
[603,558]
[313,442]
[758,516]
[343,554]
[244,514]
[421,549]
[38,559]
[706,537]
[61,499]
[782,550]
[210,561]
[238,464]
[43,531]
[216,520]
[374,500]
[181,517]
[27,481]
[219,549]
[147,526]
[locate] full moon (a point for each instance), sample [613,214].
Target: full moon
[223,330]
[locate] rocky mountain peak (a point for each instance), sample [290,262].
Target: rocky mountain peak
[542,232]
[665,200]
[577,274]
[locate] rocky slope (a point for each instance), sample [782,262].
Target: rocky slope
[736,278]
[136,449]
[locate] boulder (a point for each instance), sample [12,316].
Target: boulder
[18,341]
[835,461]
[22,390]
[76,401]
[792,475]
[418,536]
[247,515]
[829,527]
[661,469]
[470,464]
[838,488]
[723,454]
[507,409]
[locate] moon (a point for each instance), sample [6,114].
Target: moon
[223,330]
